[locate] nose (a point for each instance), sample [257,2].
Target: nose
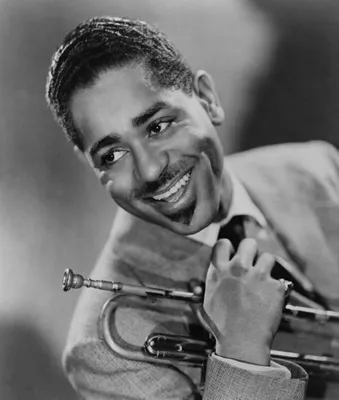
[149,162]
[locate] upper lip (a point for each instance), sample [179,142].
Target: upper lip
[170,184]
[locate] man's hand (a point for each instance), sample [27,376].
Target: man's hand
[244,303]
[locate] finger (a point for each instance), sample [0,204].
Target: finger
[221,254]
[246,253]
[264,264]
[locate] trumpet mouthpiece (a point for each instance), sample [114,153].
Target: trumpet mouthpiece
[70,280]
[67,280]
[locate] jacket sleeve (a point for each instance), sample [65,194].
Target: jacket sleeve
[228,382]
[96,375]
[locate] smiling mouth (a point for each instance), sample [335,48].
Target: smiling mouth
[175,192]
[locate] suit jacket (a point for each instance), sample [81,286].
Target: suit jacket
[296,186]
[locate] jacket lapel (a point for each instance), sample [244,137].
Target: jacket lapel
[305,221]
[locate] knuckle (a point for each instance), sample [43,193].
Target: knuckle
[260,273]
[237,267]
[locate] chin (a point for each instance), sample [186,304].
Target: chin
[186,221]
[189,226]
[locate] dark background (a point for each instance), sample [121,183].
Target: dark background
[275,64]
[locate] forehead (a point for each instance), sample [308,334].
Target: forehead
[114,99]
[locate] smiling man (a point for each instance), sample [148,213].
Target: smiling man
[161,153]
[146,123]
[163,156]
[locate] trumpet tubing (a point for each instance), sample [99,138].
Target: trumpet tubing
[75,281]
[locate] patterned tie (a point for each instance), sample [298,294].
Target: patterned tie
[235,231]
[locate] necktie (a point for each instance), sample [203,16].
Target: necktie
[235,232]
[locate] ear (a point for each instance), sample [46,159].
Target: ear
[207,95]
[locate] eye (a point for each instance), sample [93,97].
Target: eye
[159,127]
[112,156]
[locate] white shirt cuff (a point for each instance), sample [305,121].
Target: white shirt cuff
[275,370]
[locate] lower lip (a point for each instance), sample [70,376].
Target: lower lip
[183,201]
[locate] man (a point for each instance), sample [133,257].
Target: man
[146,124]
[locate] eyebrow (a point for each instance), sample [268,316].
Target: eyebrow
[105,141]
[136,122]
[149,113]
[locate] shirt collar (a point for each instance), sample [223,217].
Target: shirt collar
[241,204]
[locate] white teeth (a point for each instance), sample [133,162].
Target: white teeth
[183,181]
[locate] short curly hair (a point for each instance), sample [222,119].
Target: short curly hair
[102,43]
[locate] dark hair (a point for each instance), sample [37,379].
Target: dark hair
[101,43]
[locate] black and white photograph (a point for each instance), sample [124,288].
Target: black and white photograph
[169,200]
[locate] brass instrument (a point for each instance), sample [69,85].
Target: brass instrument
[165,348]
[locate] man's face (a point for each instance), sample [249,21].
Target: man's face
[159,148]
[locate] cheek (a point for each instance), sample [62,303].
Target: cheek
[183,141]
[190,140]
[213,152]
[209,179]
[199,143]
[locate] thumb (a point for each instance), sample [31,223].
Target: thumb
[221,254]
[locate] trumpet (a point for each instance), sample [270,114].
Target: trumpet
[166,349]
